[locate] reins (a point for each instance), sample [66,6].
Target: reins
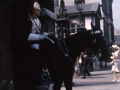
[66,52]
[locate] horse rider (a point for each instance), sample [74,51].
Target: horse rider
[33,25]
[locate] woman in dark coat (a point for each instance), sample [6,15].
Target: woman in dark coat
[84,64]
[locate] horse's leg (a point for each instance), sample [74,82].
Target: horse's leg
[68,80]
[68,83]
[56,75]
[57,84]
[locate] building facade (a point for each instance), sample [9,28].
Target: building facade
[108,19]
[105,20]
[91,13]
[117,36]
[107,14]
[91,1]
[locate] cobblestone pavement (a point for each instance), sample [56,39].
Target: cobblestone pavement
[99,80]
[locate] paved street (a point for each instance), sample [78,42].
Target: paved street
[99,80]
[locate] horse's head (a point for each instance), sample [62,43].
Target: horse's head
[79,42]
[87,39]
[100,44]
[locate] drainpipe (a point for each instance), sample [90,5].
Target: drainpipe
[108,17]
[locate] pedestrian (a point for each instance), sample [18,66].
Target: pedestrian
[79,61]
[116,63]
[84,64]
[77,66]
[90,60]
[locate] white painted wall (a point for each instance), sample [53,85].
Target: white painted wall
[91,1]
[88,22]
[87,19]
[68,2]
[102,26]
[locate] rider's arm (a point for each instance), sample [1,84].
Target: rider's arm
[31,36]
[36,37]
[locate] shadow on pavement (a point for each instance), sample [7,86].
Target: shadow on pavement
[93,84]
[90,77]
[97,74]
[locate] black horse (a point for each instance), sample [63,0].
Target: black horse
[61,66]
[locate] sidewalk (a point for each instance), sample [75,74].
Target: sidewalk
[99,80]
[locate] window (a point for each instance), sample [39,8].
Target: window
[72,28]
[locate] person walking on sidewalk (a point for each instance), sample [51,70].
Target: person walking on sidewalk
[116,63]
[84,64]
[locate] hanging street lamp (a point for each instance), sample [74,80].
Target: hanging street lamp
[79,5]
